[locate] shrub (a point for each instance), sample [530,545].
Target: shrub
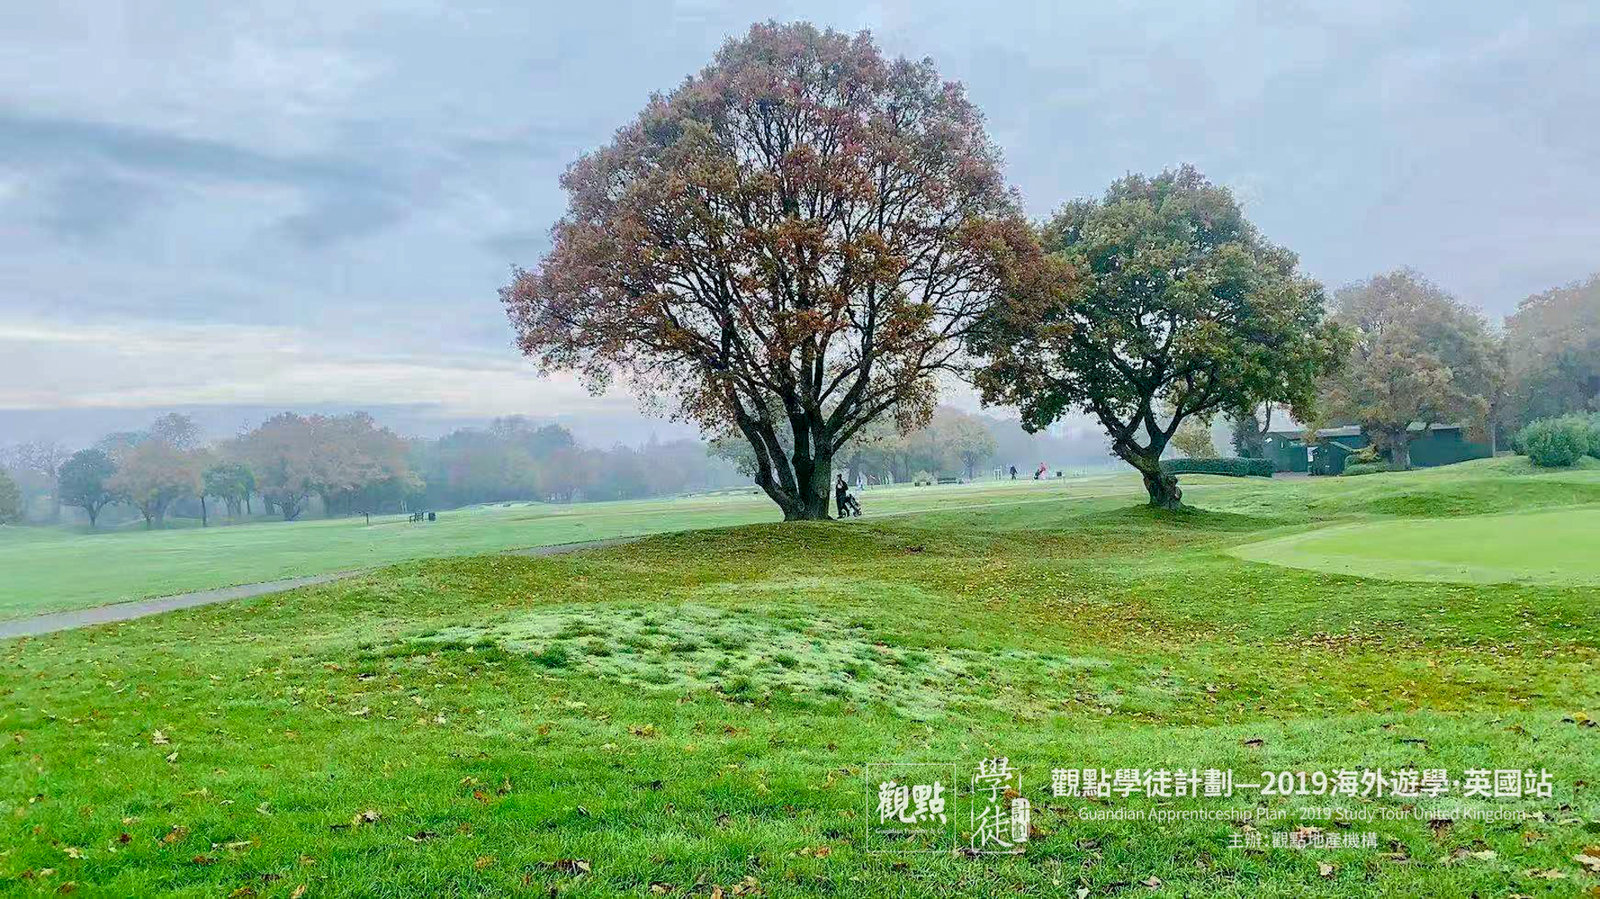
[1366,455]
[1261,468]
[1194,440]
[1354,468]
[1594,435]
[1556,442]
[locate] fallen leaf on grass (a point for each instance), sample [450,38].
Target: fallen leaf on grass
[657,888]
[421,835]
[1460,853]
[1589,858]
[177,833]
[1547,874]
[1255,742]
[484,861]
[1325,869]
[158,738]
[1153,882]
[298,892]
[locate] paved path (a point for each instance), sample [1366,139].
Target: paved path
[126,611]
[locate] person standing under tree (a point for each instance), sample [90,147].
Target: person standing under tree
[846,504]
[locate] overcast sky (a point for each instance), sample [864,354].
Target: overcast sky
[289,204]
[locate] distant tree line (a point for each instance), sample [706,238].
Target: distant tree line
[516,459]
[338,465]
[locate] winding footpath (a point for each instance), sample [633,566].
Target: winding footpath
[140,608]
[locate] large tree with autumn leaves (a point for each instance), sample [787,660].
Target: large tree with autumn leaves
[787,247]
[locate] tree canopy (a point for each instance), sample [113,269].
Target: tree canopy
[1169,304]
[153,473]
[1553,353]
[85,482]
[787,247]
[1417,357]
[346,459]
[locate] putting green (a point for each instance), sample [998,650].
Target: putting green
[1560,547]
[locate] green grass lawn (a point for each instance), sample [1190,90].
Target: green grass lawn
[692,712]
[50,570]
[1559,547]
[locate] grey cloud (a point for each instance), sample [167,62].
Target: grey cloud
[97,166]
[86,205]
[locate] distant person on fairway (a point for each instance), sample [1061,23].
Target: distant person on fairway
[1013,472]
[847,504]
[1037,475]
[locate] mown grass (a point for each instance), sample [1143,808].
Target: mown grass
[49,570]
[694,710]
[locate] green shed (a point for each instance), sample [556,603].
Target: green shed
[1440,445]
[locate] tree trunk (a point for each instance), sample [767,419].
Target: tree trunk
[204,518]
[1162,487]
[814,478]
[1400,454]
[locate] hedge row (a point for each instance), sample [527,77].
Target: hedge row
[1354,468]
[1560,442]
[1261,468]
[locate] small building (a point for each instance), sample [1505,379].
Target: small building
[1440,445]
